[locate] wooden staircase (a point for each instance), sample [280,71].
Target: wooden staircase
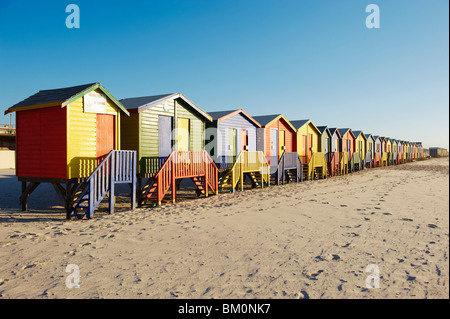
[384,159]
[356,162]
[250,165]
[289,169]
[368,160]
[118,167]
[315,167]
[196,165]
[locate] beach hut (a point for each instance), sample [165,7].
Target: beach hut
[377,155]
[384,154]
[360,150]
[70,137]
[415,155]
[389,150]
[420,152]
[347,146]
[408,151]
[277,140]
[414,151]
[370,153]
[400,153]
[394,151]
[308,141]
[334,156]
[231,143]
[167,131]
[325,145]
[342,149]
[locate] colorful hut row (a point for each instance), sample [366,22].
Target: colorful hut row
[84,142]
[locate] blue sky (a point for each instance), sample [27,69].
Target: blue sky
[308,59]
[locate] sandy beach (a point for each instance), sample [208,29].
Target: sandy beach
[308,240]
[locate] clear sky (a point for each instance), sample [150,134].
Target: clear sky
[306,59]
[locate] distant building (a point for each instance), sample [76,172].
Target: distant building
[7,137]
[438,152]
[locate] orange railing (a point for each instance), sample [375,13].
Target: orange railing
[187,164]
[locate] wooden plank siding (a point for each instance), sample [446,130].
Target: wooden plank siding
[306,131]
[279,125]
[325,142]
[140,132]
[238,122]
[41,143]
[82,137]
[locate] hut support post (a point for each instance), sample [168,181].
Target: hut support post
[173,181]
[69,201]
[61,192]
[206,176]
[24,201]
[111,186]
[26,191]
[241,177]
[133,189]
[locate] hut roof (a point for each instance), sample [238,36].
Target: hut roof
[264,120]
[222,115]
[146,102]
[343,131]
[324,129]
[62,96]
[335,130]
[357,133]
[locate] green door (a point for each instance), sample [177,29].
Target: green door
[232,142]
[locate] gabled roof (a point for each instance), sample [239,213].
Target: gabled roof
[147,102]
[222,115]
[62,96]
[324,129]
[300,123]
[357,133]
[136,102]
[335,130]
[265,120]
[343,131]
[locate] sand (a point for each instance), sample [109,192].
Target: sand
[307,240]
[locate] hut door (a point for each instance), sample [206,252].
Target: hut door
[244,140]
[183,134]
[310,145]
[282,142]
[232,142]
[274,143]
[165,135]
[304,145]
[105,135]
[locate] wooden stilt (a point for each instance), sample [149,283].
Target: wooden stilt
[26,191]
[24,202]
[69,202]
[61,192]
[173,182]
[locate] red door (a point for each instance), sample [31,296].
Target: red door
[105,135]
[244,140]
